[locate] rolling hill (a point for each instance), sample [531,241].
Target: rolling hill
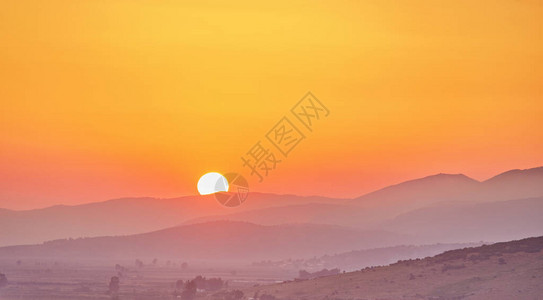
[124,216]
[372,210]
[214,242]
[354,260]
[323,213]
[444,222]
[418,193]
[510,270]
[469,221]
[137,215]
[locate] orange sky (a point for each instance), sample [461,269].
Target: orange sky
[105,99]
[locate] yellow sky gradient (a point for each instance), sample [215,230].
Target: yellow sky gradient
[105,99]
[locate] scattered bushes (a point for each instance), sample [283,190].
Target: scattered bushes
[529,245]
[448,267]
[114,285]
[303,274]
[3,280]
[211,284]
[189,292]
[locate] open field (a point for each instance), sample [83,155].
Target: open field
[89,280]
[509,270]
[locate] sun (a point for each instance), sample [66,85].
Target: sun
[211,183]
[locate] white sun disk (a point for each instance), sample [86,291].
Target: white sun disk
[211,183]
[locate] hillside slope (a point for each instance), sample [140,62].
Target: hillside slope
[461,222]
[510,270]
[323,213]
[124,216]
[354,260]
[136,215]
[418,193]
[221,241]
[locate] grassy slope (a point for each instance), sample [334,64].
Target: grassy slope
[470,273]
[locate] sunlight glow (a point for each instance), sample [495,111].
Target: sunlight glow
[211,183]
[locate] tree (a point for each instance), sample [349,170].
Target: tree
[179,284]
[114,285]
[139,263]
[213,284]
[303,274]
[189,292]
[3,280]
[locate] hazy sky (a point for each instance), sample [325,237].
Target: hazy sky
[104,99]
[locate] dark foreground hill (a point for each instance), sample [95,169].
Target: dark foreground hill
[510,270]
[221,241]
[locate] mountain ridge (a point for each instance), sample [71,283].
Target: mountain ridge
[123,216]
[213,241]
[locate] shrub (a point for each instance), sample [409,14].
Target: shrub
[3,280]
[448,267]
[114,285]
[189,292]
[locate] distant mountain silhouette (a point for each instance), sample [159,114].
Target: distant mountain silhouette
[440,187]
[372,210]
[514,184]
[470,221]
[443,222]
[214,241]
[136,215]
[418,193]
[324,213]
[124,216]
